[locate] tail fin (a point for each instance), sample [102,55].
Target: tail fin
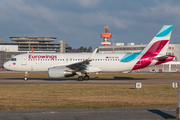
[157,47]
[159,43]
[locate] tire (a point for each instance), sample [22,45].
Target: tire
[86,77]
[25,78]
[80,78]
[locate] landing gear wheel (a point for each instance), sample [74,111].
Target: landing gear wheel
[86,77]
[80,78]
[26,76]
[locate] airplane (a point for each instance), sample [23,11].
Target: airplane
[69,64]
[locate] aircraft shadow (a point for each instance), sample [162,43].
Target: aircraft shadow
[162,114]
[93,79]
[75,79]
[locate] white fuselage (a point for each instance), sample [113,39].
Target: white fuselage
[41,62]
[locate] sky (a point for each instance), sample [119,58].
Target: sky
[80,22]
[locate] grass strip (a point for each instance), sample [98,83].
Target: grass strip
[75,96]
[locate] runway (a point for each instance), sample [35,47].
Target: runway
[91,81]
[91,114]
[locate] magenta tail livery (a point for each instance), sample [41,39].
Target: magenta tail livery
[69,64]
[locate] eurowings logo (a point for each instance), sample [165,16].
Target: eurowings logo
[14,63]
[42,57]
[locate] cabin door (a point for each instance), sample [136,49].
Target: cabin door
[24,60]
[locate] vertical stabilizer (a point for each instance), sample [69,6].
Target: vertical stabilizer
[159,43]
[157,47]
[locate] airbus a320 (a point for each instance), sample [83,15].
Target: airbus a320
[69,64]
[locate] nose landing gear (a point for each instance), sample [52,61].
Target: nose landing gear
[26,76]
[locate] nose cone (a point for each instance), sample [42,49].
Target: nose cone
[5,65]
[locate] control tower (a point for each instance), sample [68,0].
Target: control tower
[106,37]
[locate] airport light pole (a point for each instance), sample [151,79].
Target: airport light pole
[178,105]
[29,45]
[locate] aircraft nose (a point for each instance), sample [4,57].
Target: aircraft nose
[5,65]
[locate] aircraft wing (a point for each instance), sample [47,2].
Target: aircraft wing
[79,66]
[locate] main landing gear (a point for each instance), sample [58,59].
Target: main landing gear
[81,78]
[26,76]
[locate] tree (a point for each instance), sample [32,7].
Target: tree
[89,49]
[81,49]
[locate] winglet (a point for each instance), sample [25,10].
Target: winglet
[92,55]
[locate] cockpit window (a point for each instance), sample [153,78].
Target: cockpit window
[13,59]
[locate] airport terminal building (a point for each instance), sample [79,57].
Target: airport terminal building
[24,44]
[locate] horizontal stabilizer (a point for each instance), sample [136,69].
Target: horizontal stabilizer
[161,58]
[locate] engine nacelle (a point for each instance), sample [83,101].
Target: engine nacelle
[59,72]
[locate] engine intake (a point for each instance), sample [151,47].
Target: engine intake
[59,72]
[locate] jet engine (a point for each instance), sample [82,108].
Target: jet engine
[59,72]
